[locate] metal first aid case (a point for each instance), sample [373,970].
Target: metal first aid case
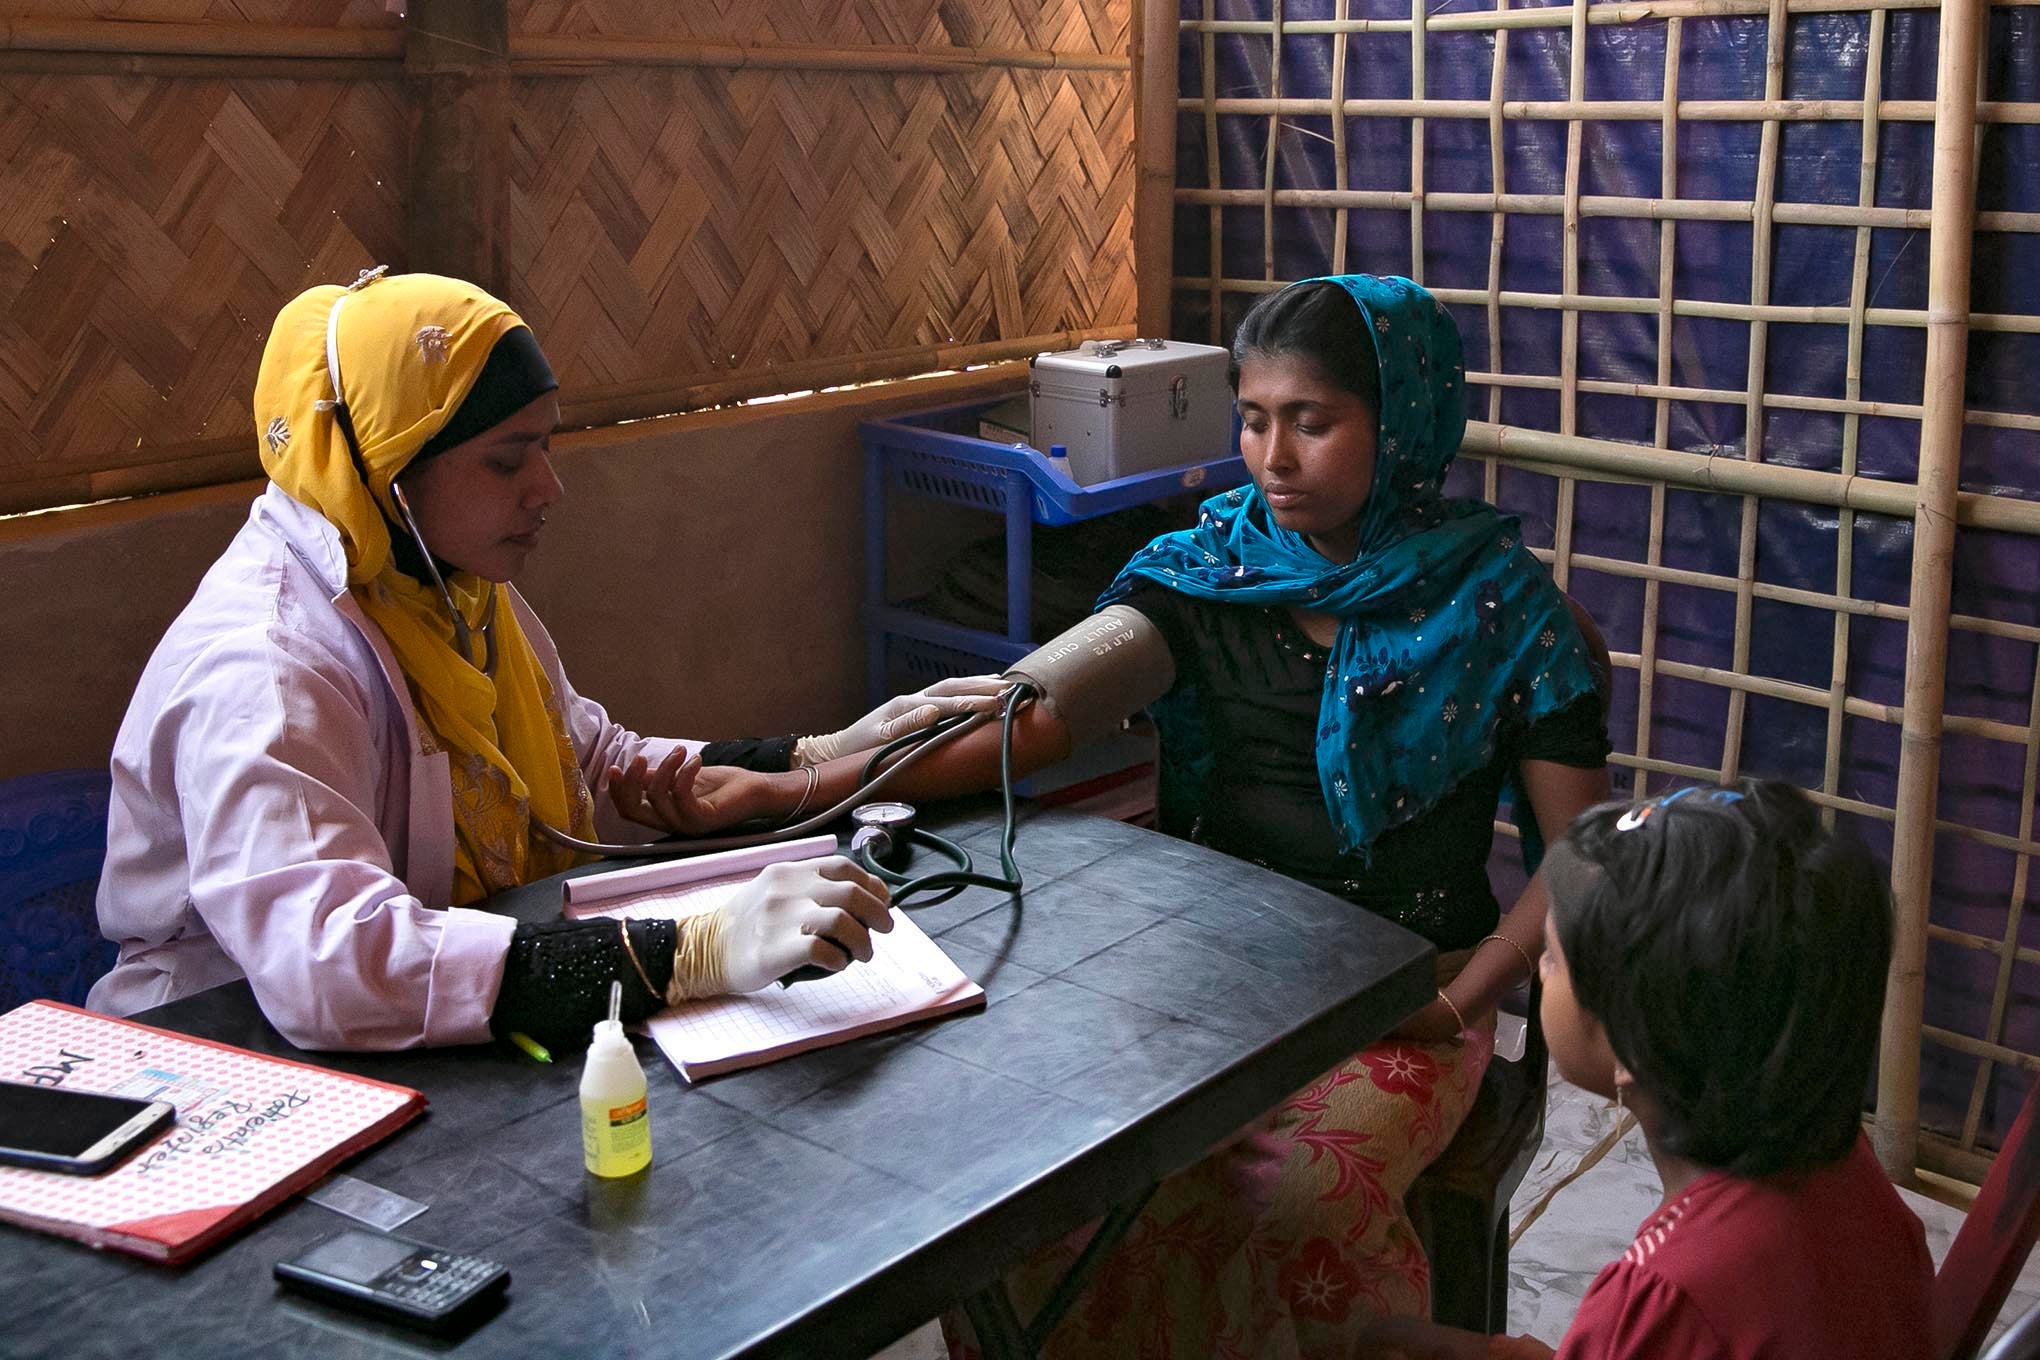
[1122,407]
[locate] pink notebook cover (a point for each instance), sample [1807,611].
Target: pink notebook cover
[251,1130]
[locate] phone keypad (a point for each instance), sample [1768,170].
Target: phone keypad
[434,1283]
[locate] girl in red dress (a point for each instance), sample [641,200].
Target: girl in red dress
[1715,960]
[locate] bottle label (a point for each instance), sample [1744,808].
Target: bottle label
[616,1140]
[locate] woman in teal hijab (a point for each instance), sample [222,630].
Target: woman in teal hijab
[1356,667]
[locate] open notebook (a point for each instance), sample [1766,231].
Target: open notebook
[909,978]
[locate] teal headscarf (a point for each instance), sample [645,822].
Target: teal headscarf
[1448,627]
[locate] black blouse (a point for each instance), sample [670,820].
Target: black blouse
[1256,680]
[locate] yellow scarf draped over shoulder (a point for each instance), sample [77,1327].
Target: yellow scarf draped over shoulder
[409,349]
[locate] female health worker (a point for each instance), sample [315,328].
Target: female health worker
[351,735]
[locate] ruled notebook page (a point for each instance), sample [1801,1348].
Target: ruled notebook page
[909,978]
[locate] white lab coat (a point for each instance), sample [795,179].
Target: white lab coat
[279,811]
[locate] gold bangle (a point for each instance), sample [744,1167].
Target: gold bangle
[1528,962]
[1450,1007]
[623,928]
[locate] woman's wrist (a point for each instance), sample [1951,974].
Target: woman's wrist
[1529,963]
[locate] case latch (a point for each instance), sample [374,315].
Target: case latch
[1179,397]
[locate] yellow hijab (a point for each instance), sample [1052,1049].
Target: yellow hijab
[408,348]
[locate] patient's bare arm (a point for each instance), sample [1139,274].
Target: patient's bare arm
[1086,681]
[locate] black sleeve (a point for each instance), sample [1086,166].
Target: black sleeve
[1164,609]
[767,755]
[557,975]
[1576,735]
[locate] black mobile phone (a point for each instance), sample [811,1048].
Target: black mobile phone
[54,1128]
[394,1278]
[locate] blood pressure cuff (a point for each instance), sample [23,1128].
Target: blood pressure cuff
[1106,668]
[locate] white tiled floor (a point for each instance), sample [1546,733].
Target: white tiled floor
[1586,1225]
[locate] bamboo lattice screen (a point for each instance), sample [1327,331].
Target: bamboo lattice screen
[1403,138]
[703,203]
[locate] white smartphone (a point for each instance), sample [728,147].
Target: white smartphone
[53,1128]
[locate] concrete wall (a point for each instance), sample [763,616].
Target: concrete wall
[702,577]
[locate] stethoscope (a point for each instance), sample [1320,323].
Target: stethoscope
[886,830]
[463,632]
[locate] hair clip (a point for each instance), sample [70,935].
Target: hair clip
[1640,813]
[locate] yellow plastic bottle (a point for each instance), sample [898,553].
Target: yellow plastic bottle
[616,1131]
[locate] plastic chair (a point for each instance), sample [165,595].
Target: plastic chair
[52,843]
[1991,1248]
[1459,1206]
[2021,1340]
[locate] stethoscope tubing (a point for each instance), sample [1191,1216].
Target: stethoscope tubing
[931,742]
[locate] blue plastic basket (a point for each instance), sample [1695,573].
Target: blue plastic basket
[937,453]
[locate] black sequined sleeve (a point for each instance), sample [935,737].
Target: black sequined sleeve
[767,755]
[557,975]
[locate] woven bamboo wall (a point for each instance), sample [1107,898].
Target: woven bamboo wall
[704,203]
[1399,138]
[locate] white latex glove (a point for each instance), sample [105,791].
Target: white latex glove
[813,911]
[908,713]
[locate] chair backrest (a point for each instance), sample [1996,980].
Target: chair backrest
[1993,1243]
[2021,1340]
[52,844]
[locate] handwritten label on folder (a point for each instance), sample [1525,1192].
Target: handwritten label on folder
[249,1129]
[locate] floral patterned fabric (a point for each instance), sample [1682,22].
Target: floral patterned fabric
[1285,1243]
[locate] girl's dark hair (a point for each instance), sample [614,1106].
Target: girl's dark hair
[1322,323]
[1734,949]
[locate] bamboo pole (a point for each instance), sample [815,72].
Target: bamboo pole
[1497,230]
[1759,358]
[1982,944]
[693,392]
[1895,1131]
[1215,325]
[1853,806]
[1559,16]
[1734,477]
[548,55]
[457,79]
[1273,153]
[1417,87]
[206,462]
[29,63]
[1852,368]
[123,37]
[2009,323]
[2001,988]
[1781,401]
[1661,425]
[1340,176]
[1626,110]
[1569,273]
[1796,595]
[1667,208]
[239,48]
[1154,138]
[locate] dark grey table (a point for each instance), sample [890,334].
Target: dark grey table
[1147,997]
